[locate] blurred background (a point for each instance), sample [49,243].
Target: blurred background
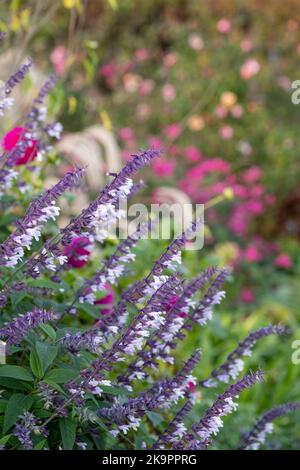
[210,83]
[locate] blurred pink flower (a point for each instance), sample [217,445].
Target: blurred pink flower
[247,296]
[142,54]
[58,58]
[192,154]
[249,69]
[215,164]
[173,131]
[168,92]
[146,87]
[126,133]
[252,254]
[78,252]
[238,224]
[155,143]
[143,111]
[255,207]
[108,70]
[240,191]
[283,261]
[221,112]
[131,82]
[173,150]
[224,26]
[195,42]
[256,191]
[226,132]
[246,45]
[170,59]
[237,111]
[251,175]
[10,141]
[107,301]
[164,168]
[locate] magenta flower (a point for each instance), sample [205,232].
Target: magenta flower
[126,133]
[58,58]
[283,261]
[224,26]
[78,252]
[107,301]
[226,132]
[247,296]
[252,254]
[12,138]
[251,175]
[192,154]
[249,69]
[164,168]
[173,131]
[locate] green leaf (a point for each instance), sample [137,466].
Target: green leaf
[40,445]
[45,284]
[42,357]
[115,390]
[15,384]
[154,417]
[61,376]
[54,385]
[68,432]
[35,364]
[16,372]
[49,331]
[91,310]
[16,406]
[3,404]
[17,297]
[5,439]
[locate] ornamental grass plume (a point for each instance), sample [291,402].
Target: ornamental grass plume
[78,378]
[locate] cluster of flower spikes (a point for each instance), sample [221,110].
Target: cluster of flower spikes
[171,306]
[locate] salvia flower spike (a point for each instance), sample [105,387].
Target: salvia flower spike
[264,426]
[234,363]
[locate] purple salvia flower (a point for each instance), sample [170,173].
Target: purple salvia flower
[18,76]
[23,430]
[168,260]
[161,395]
[264,425]
[174,329]
[7,175]
[150,317]
[157,346]
[211,423]
[32,122]
[203,311]
[54,130]
[113,267]
[2,35]
[29,228]
[22,287]
[234,363]
[104,206]
[175,429]
[90,340]
[100,213]
[51,399]
[16,330]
